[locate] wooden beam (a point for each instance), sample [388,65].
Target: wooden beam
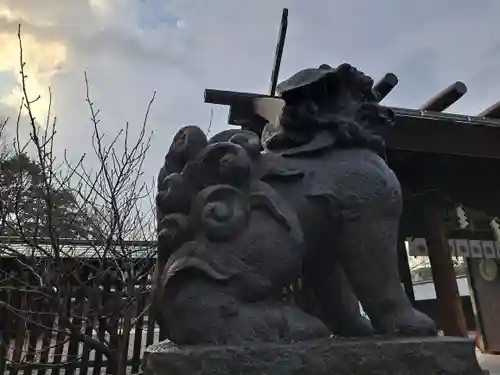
[482,340]
[491,112]
[445,98]
[222,97]
[452,317]
[442,133]
[279,52]
[416,130]
[383,87]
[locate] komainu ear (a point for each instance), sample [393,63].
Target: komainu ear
[264,197]
[188,141]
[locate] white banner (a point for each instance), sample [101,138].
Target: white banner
[460,248]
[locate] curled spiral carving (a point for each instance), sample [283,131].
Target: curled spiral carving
[173,230]
[188,141]
[219,163]
[249,141]
[202,188]
[221,211]
[173,195]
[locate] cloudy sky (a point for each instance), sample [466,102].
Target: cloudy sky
[132,48]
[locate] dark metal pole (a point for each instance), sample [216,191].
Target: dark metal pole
[279,52]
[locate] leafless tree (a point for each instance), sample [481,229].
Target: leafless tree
[4,141]
[77,246]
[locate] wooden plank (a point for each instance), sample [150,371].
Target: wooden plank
[34,331]
[151,323]
[62,339]
[19,342]
[123,322]
[485,302]
[90,320]
[113,320]
[452,317]
[101,325]
[46,339]
[32,340]
[139,327]
[60,342]
[76,307]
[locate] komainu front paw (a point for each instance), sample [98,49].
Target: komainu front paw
[408,322]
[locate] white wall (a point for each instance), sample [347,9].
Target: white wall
[424,290]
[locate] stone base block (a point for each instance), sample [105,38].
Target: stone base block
[405,356]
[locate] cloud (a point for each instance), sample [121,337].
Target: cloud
[132,48]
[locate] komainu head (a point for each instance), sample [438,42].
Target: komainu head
[339,101]
[211,208]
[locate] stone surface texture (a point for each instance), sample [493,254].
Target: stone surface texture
[405,356]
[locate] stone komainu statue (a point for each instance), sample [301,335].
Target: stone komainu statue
[236,225]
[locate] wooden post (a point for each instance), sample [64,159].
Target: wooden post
[404,269]
[443,273]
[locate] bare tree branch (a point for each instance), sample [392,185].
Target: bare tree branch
[78,238]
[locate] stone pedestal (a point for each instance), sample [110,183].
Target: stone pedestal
[408,356]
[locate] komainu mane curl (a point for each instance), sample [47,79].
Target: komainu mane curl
[206,193]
